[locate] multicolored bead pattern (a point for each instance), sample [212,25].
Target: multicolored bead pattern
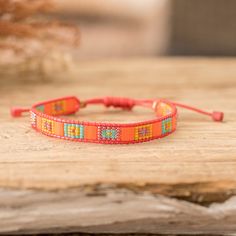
[143,132]
[49,124]
[108,133]
[33,118]
[73,131]
[104,134]
[166,125]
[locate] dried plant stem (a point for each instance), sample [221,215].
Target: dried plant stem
[31,42]
[20,9]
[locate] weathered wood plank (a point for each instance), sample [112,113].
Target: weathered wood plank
[197,163]
[110,210]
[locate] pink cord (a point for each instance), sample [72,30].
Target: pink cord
[216,115]
[128,104]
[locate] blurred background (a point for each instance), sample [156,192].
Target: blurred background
[48,34]
[153,27]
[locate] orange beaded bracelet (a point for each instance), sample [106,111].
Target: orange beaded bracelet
[45,118]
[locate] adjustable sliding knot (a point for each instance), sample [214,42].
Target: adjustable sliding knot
[125,103]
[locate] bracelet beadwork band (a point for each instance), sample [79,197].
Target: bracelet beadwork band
[44,117]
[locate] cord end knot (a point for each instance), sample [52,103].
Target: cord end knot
[217,116]
[17,112]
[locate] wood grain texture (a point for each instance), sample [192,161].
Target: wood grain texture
[113,211]
[197,163]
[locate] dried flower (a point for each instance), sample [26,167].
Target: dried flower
[21,9]
[28,37]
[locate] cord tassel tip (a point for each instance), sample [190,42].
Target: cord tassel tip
[218,116]
[17,112]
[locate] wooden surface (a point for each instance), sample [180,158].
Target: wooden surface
[41,177]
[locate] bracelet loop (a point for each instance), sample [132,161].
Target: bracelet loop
[45,119]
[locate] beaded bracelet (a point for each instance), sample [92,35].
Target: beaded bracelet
[44,117]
